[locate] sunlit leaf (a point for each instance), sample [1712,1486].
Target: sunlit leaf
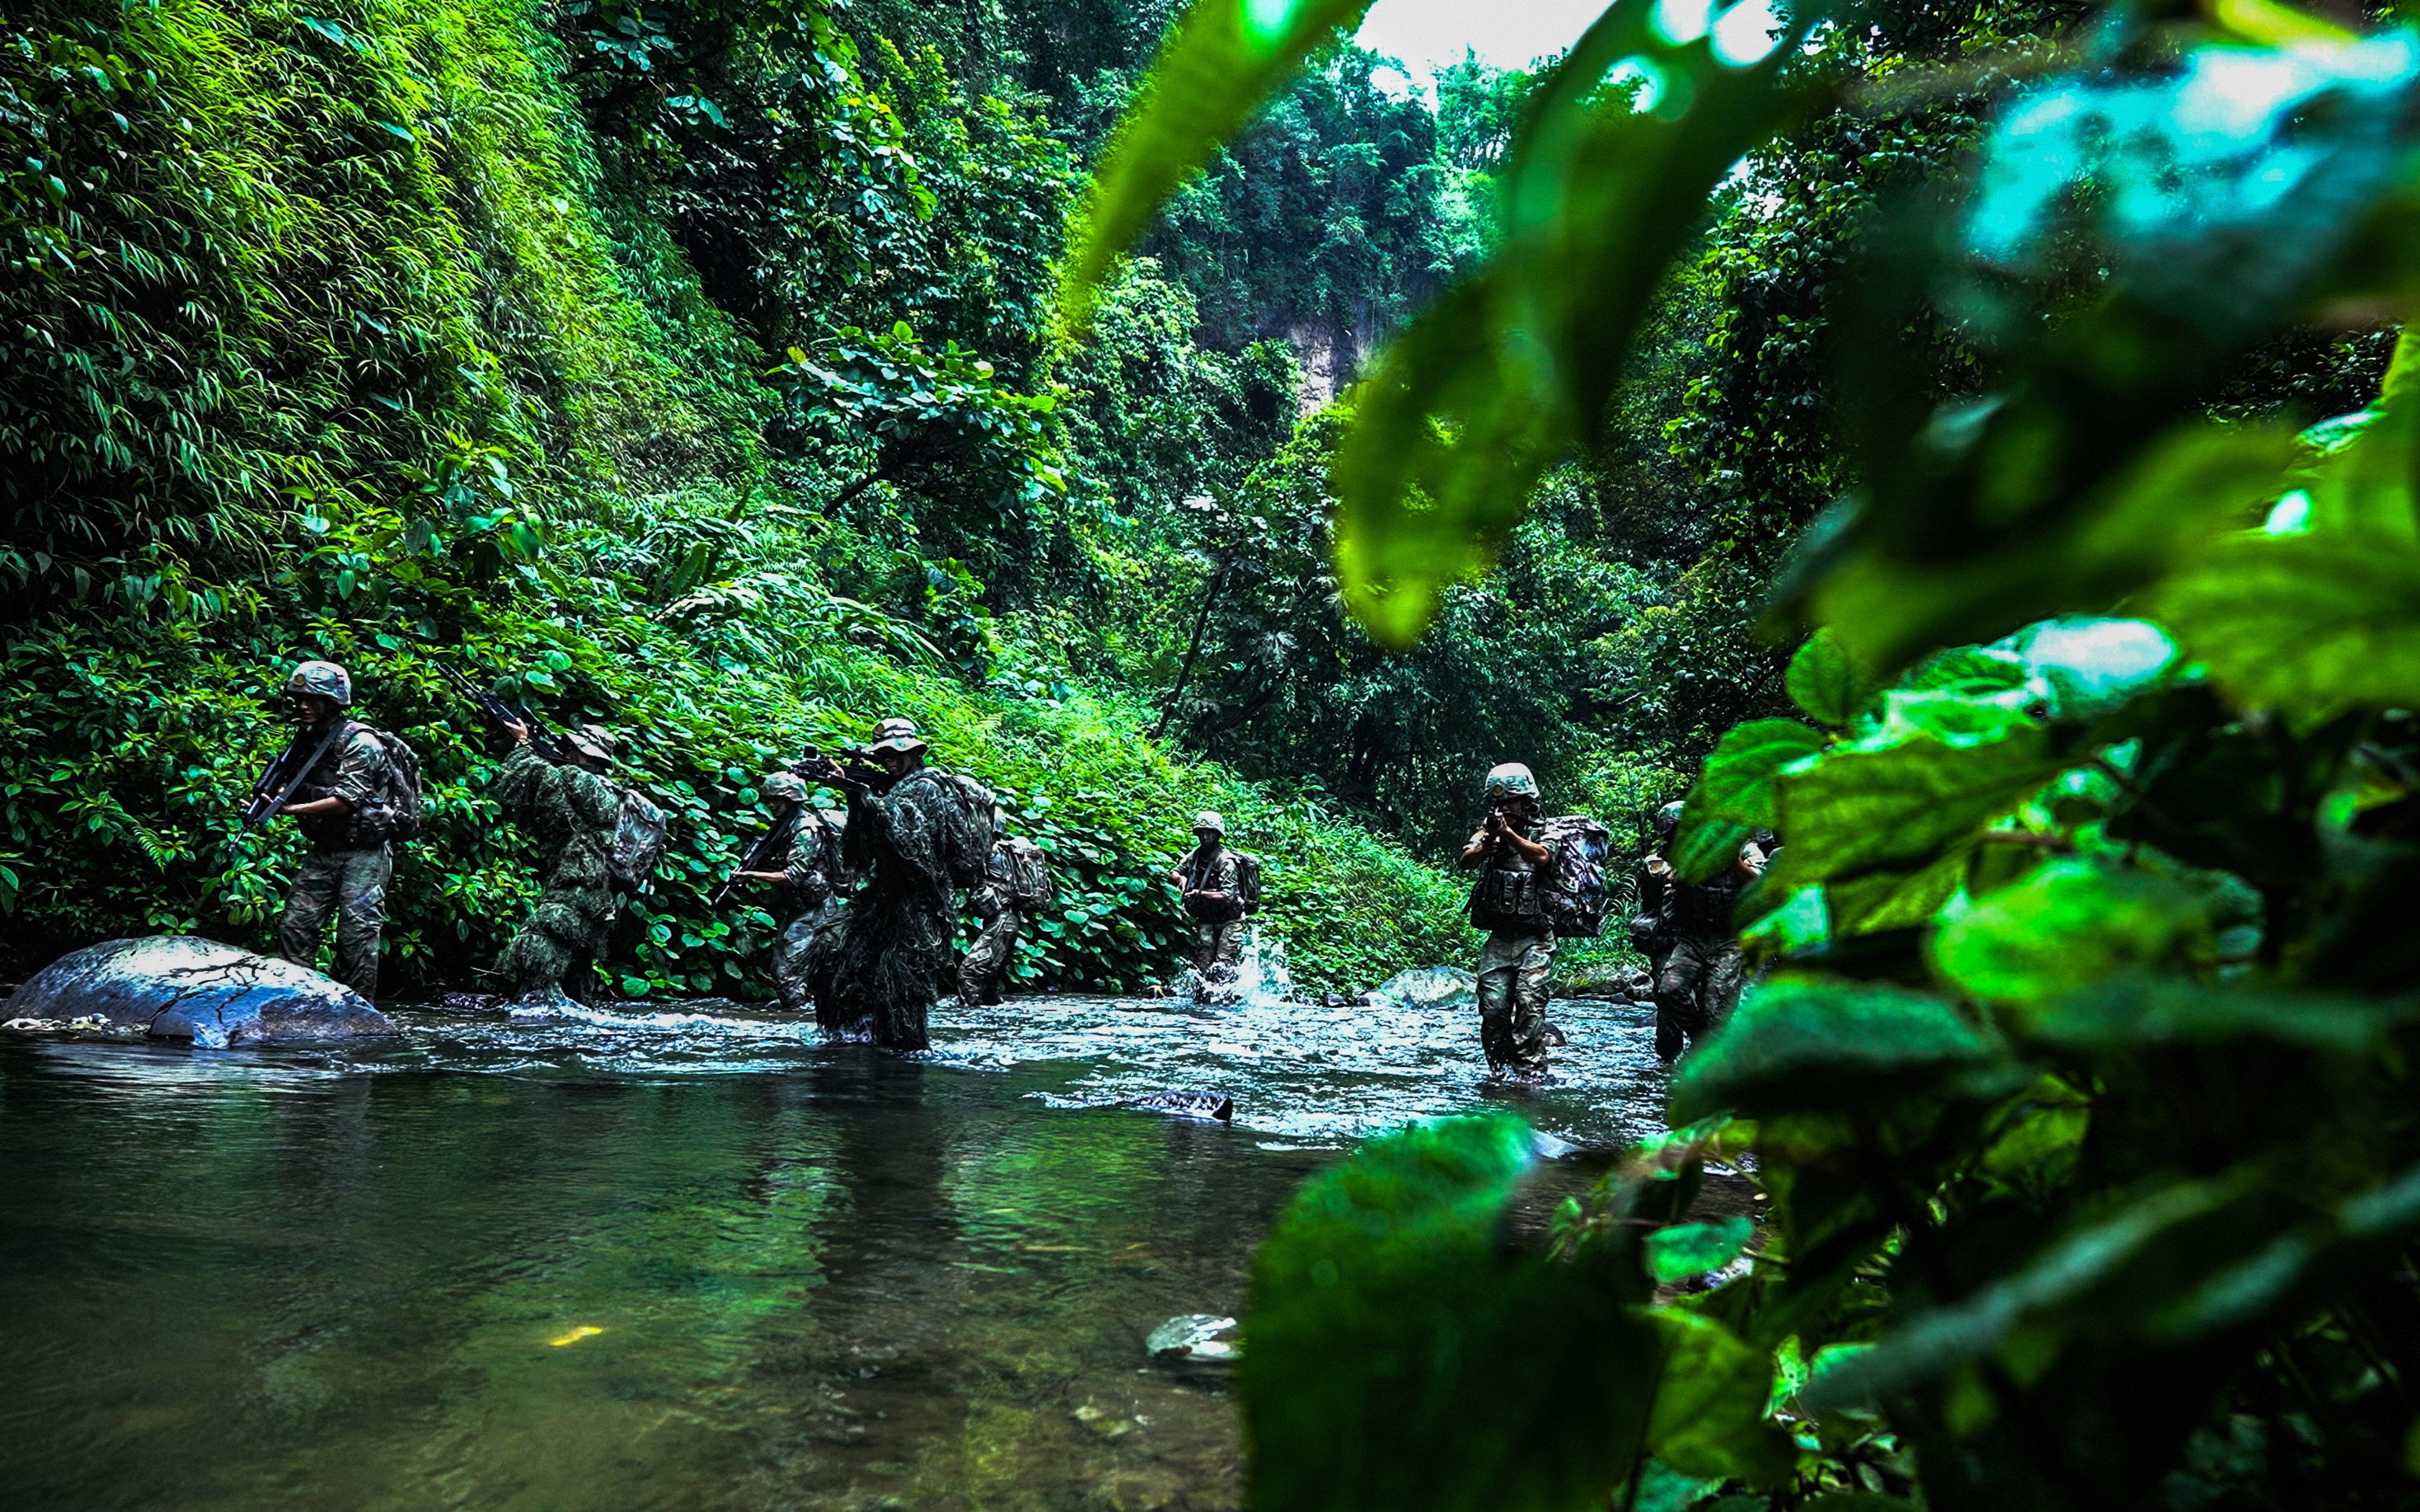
[1467,407]
[2067,925]
[1220,62]
[1799,1044]
[1686,1250]
[1899,805]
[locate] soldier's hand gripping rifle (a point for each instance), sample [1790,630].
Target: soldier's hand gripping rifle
[503,716]
[282,776]
[815,766]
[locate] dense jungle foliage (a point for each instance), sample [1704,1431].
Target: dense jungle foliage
[685,366]
[2075,1088]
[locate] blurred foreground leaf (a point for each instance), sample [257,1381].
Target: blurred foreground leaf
[1399,1359]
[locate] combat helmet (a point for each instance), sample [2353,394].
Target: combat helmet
[1209,820]
[325,678]
[1511,781]
[593,741]
[896,734]
[784,785]
[1667,818]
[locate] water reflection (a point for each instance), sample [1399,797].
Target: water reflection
[676,1259]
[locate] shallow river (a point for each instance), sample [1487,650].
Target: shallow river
[685,1260]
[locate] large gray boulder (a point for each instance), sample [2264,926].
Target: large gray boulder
[1428,987]
[177,987]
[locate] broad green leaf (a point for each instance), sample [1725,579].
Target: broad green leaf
[1686,1250]
[1973,670]
[1220,62]
[1870,902]
[1709,1418]
[1826,680]
[1734,795]
[1799,1044]
[1398,1358]
[2313,621]
[2138,1009]
[1898,807]
[2065,926]
[2108,541]
[1467,409]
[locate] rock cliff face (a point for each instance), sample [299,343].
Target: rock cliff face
[175,987]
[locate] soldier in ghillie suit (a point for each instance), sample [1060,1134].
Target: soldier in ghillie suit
[1510,903]
[338,804]
[1215,881]
[1016,885]
[571,810]
[1699,966]
[806,869]
[913,835]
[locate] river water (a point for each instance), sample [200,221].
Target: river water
[686,1259]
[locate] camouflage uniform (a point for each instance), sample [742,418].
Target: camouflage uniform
[1697,981]
[877,972]
[341,874]
[1509,902]
[809,904]
[1001,903]
[1218,939]
[571,813]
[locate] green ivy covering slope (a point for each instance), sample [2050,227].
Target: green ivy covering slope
[332,332]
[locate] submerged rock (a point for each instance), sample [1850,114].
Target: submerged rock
[1429,987]
[1192,1339]
[177,987]
[1217,1105]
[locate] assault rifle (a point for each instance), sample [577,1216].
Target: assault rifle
[501,714]
[283,775]
[813,766]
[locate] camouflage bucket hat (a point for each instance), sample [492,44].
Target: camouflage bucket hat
[325,678]
[1209,821]
[593,740]
[896,734]
[784,785]
[1511,781]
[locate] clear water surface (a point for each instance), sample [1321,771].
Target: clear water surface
[685,1260]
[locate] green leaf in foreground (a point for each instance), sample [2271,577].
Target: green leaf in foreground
[2065,925]
[1799,1044]
[1709,1417]
[1827,680]
[1736,794]
[1686,1250]
[1901,805]
[1397,1358]
[1220,63]
[2310,621]
[1501,379]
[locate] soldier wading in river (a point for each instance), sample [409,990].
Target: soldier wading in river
[344,807]
[1220,887]
[806,866]
[917,834]
[1696,952]
[571,810]
[1015,887]
[1510,902]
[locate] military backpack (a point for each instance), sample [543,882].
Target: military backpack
[1248,882]
[1031,888]
[397,814]
[968,833]
[638,841]
[1575,889]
